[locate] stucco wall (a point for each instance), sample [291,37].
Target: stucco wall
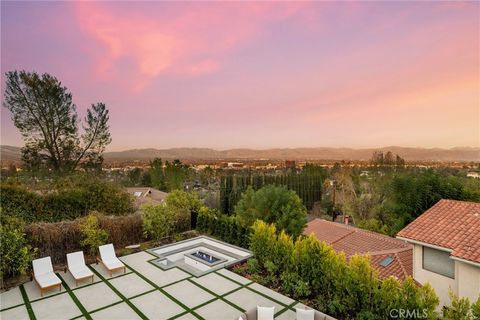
[438,282]
[468,281]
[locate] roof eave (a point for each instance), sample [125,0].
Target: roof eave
[473,263]
[425,244]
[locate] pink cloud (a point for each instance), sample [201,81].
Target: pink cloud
[187,42]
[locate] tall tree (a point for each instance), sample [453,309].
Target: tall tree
[273,204]
[43,110]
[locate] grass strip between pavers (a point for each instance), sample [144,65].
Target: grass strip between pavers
[75,299]
[219,296]
[285,307]
[31,314]
[12,307]
[233,280]
[122,297]
[290,307]
[153,284]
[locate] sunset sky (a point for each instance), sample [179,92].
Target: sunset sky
[258,75]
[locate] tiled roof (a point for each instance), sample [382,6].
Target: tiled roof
[450,224]
[352,241]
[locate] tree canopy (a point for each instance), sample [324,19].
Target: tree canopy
[44,112]
[273,204]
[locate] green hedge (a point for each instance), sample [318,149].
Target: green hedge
[67,204]
[310,270]
[227,228]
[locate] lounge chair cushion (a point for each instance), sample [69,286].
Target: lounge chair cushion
[304,314]
[79,273]
[107,252]
[265,313]
[47,279]
[113,264]
[77,266]
[42,266]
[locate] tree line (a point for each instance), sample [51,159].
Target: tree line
[307,183]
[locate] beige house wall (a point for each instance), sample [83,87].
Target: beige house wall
[468,280]
[465,284]
[439,282]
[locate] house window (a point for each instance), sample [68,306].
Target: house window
[439,262]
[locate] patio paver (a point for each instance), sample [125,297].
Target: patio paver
[100,268]
[188,293]
[33,291]
[119,311]
[162,278]
[70,280]
[232,275]
[187,316]
[96,296]
[270,293]
[218,310]
[131,285]
[247,299]
[216,283]
[179,291]
[56,308]
[135,259]
[156,305]
[18,313]
[10,298]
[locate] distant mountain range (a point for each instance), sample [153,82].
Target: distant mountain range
[12,153]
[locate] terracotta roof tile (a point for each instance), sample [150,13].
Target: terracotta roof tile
[352,241]
[449,224]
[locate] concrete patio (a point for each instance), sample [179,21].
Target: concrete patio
[144,292]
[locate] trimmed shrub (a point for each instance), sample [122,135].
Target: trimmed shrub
[345,290]
[16,253]
[59,238]
[227,228]
[69,203]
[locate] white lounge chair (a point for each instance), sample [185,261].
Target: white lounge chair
[109,259]
[44,276]
[77,267]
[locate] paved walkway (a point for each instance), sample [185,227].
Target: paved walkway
[145,292]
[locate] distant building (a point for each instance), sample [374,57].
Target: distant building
[389,256]
[145,195]
[475,175]
[290,164]
[446,253]
[235,165]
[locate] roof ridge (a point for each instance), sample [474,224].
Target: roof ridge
[393,251]
[342,237]
[400,262]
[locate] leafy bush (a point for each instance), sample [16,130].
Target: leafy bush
[185,204]
[70,201]
[346,290]
[273,204]
[294,286]
[92,235]
[459,308]
[253,266]
[158,221]
[16,252]
[476,309]
[227,228]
